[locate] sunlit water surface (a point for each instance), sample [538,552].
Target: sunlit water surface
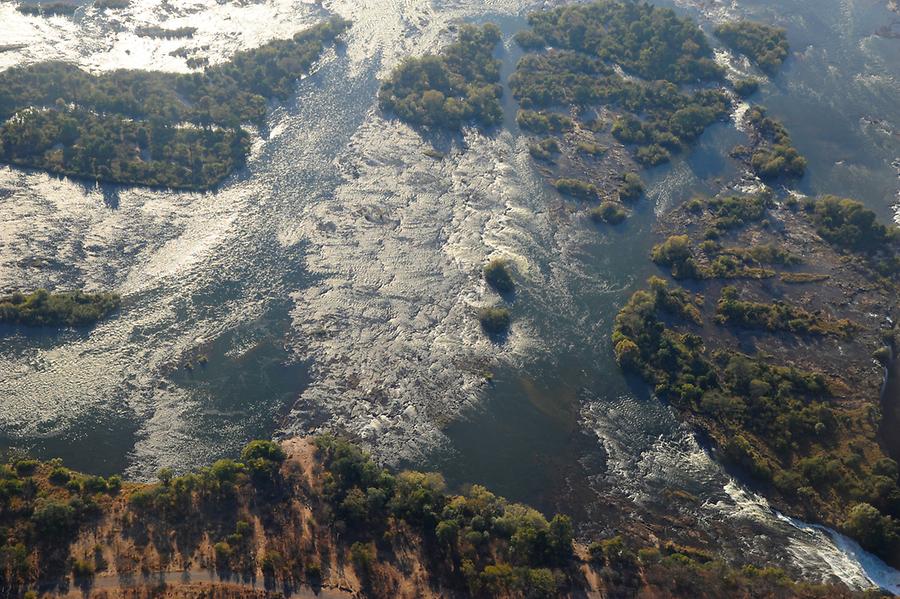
[333,284]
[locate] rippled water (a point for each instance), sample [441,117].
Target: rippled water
[333,284]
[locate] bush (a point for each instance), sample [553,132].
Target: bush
[26,467]
[264,450]
[873,530]
[590,148]
[82,569]
[497,276]
[632,187]
[543,122]
[746,87]
[363,556]
[609,212]
[849,224]
[53,519]
[675,252]
[775,156]
[575,188]
[529,40]
[495,320]
[544,149]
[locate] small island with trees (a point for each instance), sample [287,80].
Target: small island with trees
[772,154]
[765,45]
[182,131]
[607,88]
[458,86]
[42,308]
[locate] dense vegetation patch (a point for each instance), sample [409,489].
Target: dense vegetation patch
[42,308]
[850,225]
[671,570]
[713,260]
[658,119]
[765,45]
[450,89]
[800,414]
[651,42]
[774,156]
[129,126]
[494,546]
[590,40]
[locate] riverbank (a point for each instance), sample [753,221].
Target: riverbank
[317,518]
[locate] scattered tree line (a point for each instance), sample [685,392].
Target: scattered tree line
[156,31]
[778,316]
[266,517]
[47,9]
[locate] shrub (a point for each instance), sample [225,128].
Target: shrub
[363,556]
[497,276]
[675,252]
[609,212]
[746,87]
[632,187]
[53,519]
[873,530]
[82,569]
[495,320]
[544,149]
[575,188]
[590,148]
[26,467]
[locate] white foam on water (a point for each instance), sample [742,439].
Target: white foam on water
[849,562]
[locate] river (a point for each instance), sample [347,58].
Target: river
[333,283]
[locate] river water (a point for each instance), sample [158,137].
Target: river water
[333,283]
